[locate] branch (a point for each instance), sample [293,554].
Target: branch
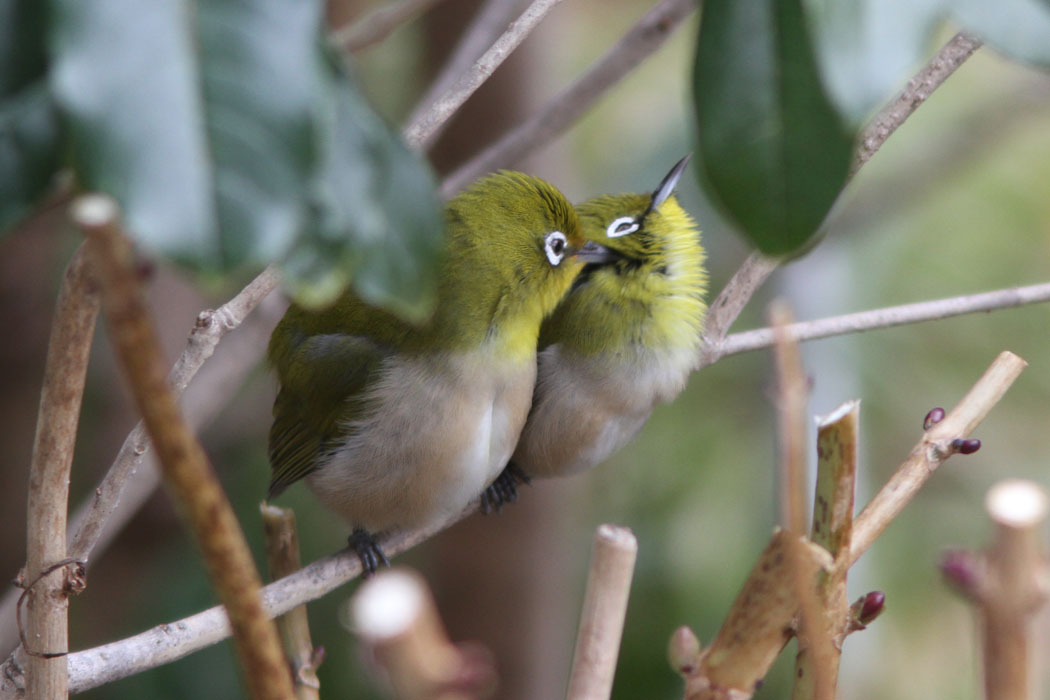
[47,582]
[565,109]
[133,477]
[938,443]
[395,614]
[185,466]
[424,129]
[604,609]
[378,24]
[883,318]
[919,88]
[282,556]
[485,28]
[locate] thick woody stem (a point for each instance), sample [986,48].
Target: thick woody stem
[185,467]
[1016,571]
[394,613]
[282,556]
[48,587]
[604,609]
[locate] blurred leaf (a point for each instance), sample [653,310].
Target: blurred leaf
[23,54]
[198,120]
[28,150]
[773,151]
[867,49]
[377,221]
[1017,28]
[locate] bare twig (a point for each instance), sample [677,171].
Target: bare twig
[792,433]
[832,526]
[395,614]
[489,22]
[378,24]
[47,584]
[919,88]
[282,556]
[1007,585]
[886,318]
[565,109]
[424,129]
[932,450]
[185,466]
[604,609]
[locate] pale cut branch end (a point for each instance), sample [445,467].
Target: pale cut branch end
[395,614]
[598,638]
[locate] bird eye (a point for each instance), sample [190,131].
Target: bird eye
[554,246]
[621,227]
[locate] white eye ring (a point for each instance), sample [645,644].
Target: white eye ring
[613,232]
[554,244]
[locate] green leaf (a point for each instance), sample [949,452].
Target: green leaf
[23,53]
[199,119]
[773,151]
[28,150]
[377,220]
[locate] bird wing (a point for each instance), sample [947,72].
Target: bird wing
[318,399]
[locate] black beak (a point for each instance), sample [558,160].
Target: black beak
[669,183]
[592,252]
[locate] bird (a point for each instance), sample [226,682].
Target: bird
[396,426]
[624,339]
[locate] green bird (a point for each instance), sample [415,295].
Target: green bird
[397,426]
[623,340]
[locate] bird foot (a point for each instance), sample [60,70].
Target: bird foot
[503,490]
[368,551]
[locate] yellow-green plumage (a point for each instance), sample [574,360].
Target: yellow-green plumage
[625,338]
[398,426]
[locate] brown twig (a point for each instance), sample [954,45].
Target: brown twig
[282,556]
[888,317]
[488,23]
[1008,585]
[184,464]
[832,526]
[918,90]
[378,24]
[394,613]
[564,110]
[425,128]
[48,585]
[932,450]
[604,609]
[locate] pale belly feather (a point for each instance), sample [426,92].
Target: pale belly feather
[432,442]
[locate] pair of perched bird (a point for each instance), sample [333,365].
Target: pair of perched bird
[557,329]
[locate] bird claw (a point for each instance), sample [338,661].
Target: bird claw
[368,551]
[503,490]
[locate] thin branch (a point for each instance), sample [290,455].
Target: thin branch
[937,445]
[888,317]
[185,466]
[919,88]
[423,130]
[378,24]
[47,584]
[604,609]
[489,22]
[282,556]
[564,110]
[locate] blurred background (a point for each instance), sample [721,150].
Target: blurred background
[955,203]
